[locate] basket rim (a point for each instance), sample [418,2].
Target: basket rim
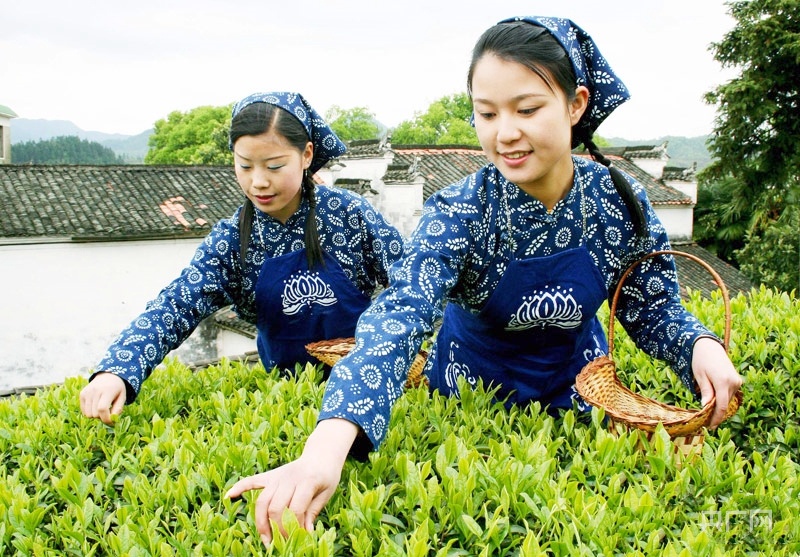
[715,275]
[642,422]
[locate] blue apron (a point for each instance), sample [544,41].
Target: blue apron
[296,306]
[534,335]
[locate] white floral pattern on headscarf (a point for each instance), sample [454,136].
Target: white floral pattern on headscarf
[327,144]
[606,90]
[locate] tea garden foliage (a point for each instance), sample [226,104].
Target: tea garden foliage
[454,476]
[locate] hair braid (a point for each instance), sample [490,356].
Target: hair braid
[313,247]
[623,188]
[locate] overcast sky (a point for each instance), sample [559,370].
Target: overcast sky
[117,67]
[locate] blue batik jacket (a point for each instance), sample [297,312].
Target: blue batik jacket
[357,236]
[458,254]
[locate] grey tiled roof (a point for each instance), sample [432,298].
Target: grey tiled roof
[680,173]
[83,203]
[440,165]
[366,148]
[400,173]
[637,151]
[658,192]
[357,185]
[692,275]
[228,319]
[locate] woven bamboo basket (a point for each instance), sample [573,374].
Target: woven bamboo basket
[331,351]
[600,386]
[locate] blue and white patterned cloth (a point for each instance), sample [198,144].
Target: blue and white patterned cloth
[327,144]
[460,250]
[606,90]
[357,236]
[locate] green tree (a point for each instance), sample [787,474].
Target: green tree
[446,122]
[65,149]
[198,136]
[352,124]
[601,142]
[721,217]
[757,132]
[772,256]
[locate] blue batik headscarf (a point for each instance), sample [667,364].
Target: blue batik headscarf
[606,90]
[327,144]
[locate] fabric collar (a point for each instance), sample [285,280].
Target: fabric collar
[327,144]
[606,90]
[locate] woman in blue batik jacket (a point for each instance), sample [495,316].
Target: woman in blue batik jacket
[525,251]
[297,283]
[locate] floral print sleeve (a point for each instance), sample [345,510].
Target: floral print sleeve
[450,237]
[360,239]
[206,285]
[650,307]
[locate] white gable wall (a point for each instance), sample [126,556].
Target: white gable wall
[65,302]
[677,220]
[654,167]
[230,343]
[401,204]
[5,139]
[689,189]
[372,169]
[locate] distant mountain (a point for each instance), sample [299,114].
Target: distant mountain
[132,148]
[682,151]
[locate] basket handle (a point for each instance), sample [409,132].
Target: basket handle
[714,274]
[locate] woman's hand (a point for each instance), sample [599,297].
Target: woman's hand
[305,485]
[103,397]
[715,375]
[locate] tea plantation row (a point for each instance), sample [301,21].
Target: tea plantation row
[454,477]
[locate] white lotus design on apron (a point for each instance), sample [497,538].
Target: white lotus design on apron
[546,308]
[304,289]
[455,369]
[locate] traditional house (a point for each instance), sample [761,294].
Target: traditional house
[404,176]
[83,248]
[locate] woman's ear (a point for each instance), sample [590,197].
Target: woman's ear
[578,104]
[308,155]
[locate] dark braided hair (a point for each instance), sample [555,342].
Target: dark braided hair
[536,49]
[259,118]
[313,247]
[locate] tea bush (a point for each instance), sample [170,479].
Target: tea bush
[454,476]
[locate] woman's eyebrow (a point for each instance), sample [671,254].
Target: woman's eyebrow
[264,159]
[516,98]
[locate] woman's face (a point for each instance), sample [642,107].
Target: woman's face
[525,127]
[270,172]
